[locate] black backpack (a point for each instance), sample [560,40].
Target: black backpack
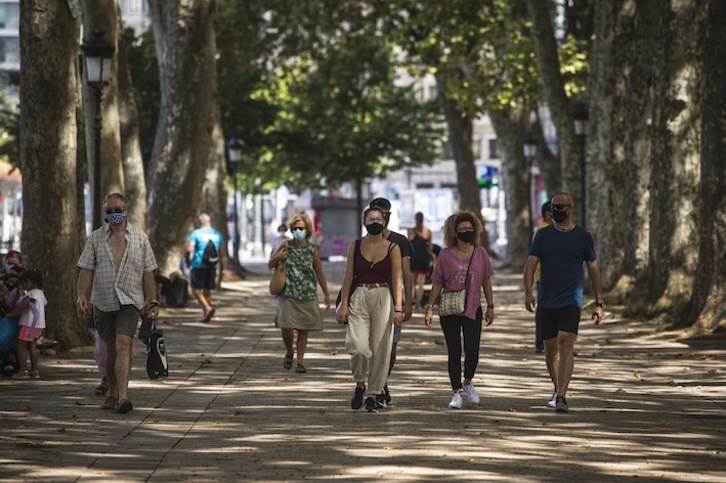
[211,257]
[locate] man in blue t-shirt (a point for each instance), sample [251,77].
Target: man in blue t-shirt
[203,273]
[561,248]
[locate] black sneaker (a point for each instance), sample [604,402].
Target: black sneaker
[561,405]
[381,401]
[371,405]
[386,395]
[357,400]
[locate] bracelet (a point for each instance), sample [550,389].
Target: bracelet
[490,306]
[429,306]
[397,308]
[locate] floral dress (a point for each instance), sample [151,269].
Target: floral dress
[298,303]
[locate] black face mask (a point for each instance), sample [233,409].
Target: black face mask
[465,236]
[375,228]
[559,216]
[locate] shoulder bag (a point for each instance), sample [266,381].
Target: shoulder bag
[454,303]
[277,283]
[353,283]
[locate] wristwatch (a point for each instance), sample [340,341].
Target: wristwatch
[598,304]
[154,303]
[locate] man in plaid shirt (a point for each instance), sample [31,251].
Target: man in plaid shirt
[116,284]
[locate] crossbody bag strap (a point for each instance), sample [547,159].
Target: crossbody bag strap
[466,278]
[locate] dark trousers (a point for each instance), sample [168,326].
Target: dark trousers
[453,327]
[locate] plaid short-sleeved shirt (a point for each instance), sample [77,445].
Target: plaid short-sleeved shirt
[113,288]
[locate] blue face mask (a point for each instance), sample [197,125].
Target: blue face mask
[298,234]
[115,218]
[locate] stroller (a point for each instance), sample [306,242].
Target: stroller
[9,329]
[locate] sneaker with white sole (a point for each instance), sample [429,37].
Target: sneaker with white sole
[456,401]
[561,406]
[553,402]
[471,396]
[371,405]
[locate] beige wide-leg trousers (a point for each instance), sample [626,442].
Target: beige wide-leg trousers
[370,336]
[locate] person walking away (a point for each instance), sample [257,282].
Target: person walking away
[561,249]
[298,309]
[31,310]
[421,241]
[546,221]
[204,265]
[374,261]
[116,283]
[406,249]
[463,265]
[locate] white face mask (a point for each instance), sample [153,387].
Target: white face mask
[298,234]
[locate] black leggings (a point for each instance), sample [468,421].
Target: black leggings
[453,326]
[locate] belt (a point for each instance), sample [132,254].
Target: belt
[374,285]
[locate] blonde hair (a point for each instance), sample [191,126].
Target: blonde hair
[459,217]
[306,220]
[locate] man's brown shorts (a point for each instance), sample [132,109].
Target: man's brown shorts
[118,322]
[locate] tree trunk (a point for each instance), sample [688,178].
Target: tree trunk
[460,129]
[184,33]
[53,214]
[510,127]
[675,157]
[706,305]
[132,161]
[102,15]
[215,187]
[556,97]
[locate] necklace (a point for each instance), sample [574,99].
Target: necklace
[564,229]
[466,252]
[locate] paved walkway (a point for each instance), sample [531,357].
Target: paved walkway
[642,406]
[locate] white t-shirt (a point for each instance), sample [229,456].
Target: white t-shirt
[36,308]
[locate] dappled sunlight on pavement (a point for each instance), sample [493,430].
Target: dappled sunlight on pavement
[643,404]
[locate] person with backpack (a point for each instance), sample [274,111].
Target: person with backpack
[203,248]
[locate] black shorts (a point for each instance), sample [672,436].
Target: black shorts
[204,278]
[566,319]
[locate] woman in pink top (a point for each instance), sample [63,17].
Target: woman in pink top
[461,233]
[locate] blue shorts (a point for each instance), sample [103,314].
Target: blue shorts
[551,321]
[204,278]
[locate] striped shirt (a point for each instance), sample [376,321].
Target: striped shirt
[113,288]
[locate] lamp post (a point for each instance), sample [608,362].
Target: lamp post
[258,243]
[580,116]
[234,151]
[530,152]
[98,55]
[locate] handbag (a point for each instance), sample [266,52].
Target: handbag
[277,283]
[153,337]
[454,303]
[353,283]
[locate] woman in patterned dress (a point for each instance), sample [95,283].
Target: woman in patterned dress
[298,308]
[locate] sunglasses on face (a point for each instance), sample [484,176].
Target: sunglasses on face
[298,228]
[560,207]
[114,210]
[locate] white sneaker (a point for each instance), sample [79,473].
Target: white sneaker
[553,402]
[456,401]
[471,396]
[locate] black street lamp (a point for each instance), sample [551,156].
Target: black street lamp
[580,116]
[99,55]
[530,152]
[234,150]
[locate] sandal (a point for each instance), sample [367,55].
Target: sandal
[287,361]
[102,388]
[110,403]
[300,368]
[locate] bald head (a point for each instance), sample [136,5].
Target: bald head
[205,220]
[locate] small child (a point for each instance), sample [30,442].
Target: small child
[31,309]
